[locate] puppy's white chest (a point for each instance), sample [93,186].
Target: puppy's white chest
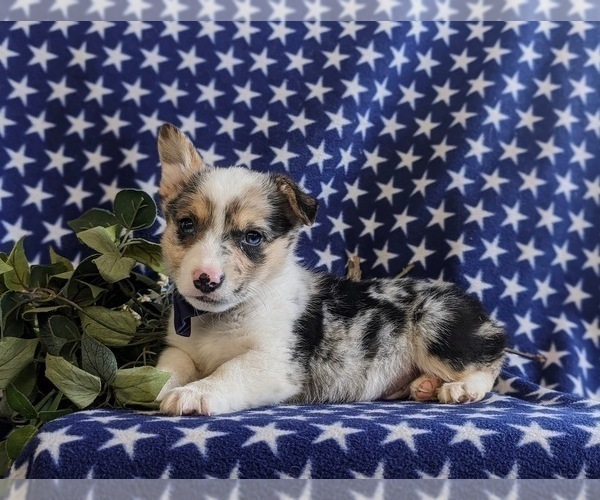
[211,345]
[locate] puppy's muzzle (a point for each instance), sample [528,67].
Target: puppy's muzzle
[205,283]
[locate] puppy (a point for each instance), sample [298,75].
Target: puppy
[265,330]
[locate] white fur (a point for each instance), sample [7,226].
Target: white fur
[469,389]
[241,358]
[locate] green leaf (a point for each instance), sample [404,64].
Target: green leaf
[96,291]
[54,405]
[82,292]
[4,267]
[63,276]
[98,359]
[19,402]
[40,275]
[99,239]
[26,380]
[4,460]
[63,327]
[142,282]
[18,278]
[96,217]
[6,412]
[47,416]
[78,288]
[17,440]
[56,258]
[58,331]
[44,403]
[81,387]
[112,328]
[147,253]
[113,267]
[48,404]
[15,354]
[134,209]
[139,385]
[11,306]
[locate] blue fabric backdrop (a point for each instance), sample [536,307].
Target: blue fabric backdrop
[469,149]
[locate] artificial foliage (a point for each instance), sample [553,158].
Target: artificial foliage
[82,335]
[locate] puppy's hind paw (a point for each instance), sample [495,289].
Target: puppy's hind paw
[425,388]
[457,392]
[470,389]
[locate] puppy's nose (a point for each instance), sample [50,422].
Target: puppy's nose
[208,282]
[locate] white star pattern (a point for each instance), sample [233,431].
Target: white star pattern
[403,432]
[53,441]
[535,434]
[336,432]
[197,436]
[268,435]
[467,149]
[127,438]
[470,433]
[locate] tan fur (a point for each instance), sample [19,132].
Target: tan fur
[173,253]
[204,210]
[276,253]
[179,160]
[249,212]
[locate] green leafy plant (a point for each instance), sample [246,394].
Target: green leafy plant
[85,335]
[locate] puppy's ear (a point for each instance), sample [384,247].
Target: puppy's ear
[178,157]
[302,205]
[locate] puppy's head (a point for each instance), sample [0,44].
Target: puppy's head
[228,230]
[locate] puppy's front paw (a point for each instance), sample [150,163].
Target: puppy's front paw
[171,384]
[194,399]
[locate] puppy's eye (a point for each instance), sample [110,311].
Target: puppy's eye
[252,238]
[186,226]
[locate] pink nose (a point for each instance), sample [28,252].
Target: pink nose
[209,274]
[208,280]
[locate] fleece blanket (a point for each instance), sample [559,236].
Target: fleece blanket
[531,433]
[467,149]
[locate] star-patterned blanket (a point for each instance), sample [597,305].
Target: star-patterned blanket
[532,433]
[468,149]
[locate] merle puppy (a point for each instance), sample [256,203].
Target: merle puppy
[252,327]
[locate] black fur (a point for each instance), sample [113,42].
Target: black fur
[309,327]
[346,301]
[298,206]
[454,326]
[256,253]
[370,339]
[462,343]
[280,220]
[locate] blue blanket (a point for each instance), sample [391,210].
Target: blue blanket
[468,149]
[531,433]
